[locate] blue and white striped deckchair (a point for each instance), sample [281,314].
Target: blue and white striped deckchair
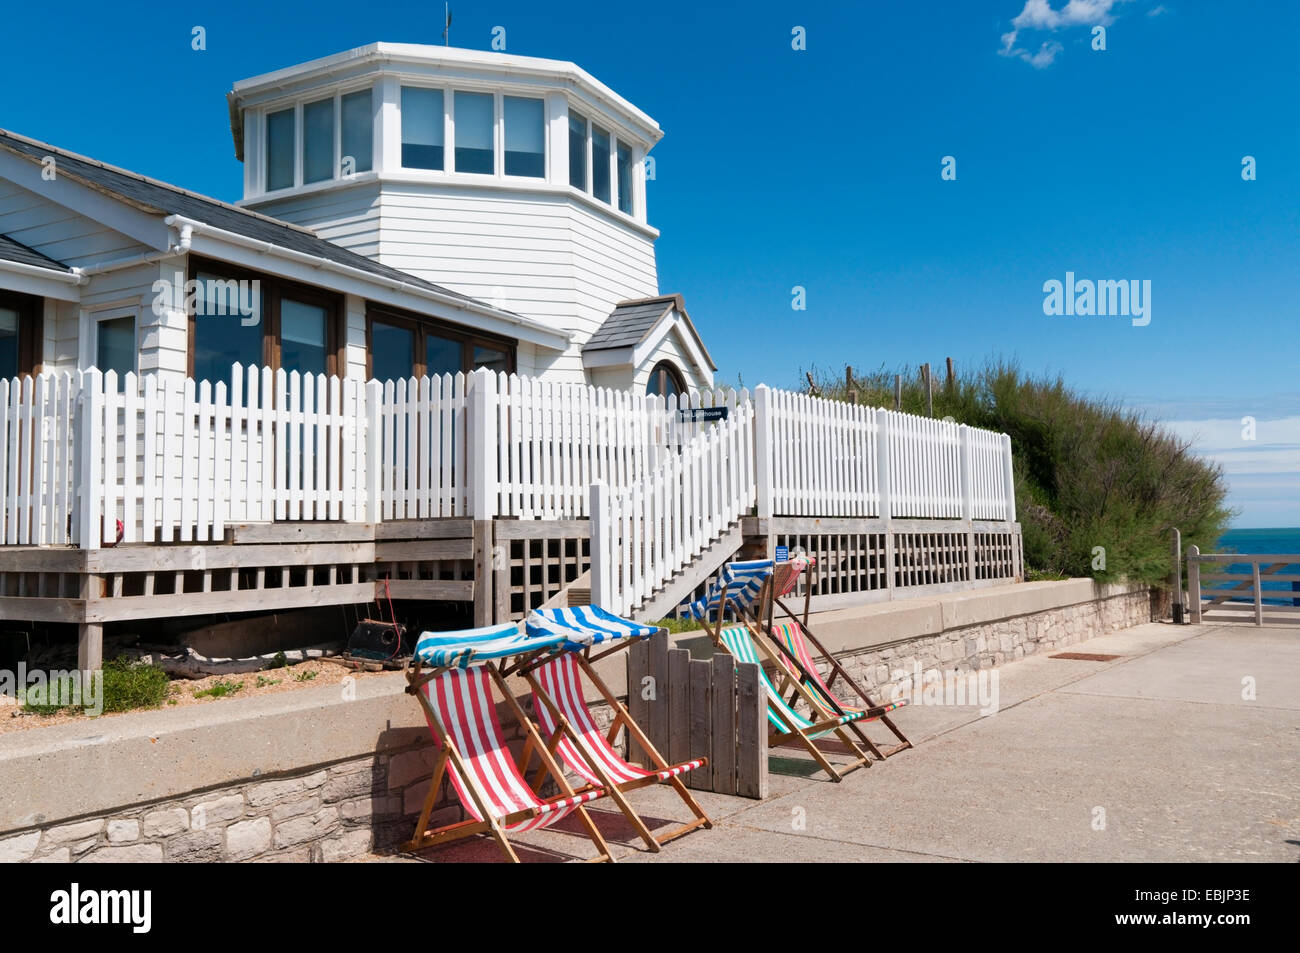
[584,627]
[460,648]
[788,726]
[742,583]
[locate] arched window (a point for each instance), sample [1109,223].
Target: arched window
[665,380]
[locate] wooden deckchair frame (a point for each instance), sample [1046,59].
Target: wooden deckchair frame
[448,755]
[766,604]
[622,719]
[796,736]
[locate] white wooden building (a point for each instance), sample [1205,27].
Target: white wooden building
[427,356]
[407,210]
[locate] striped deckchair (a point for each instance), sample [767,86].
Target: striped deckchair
[460,708]
[787,726]
[792,638]
[739,587]
[561,708]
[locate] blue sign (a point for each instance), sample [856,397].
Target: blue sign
[783,554]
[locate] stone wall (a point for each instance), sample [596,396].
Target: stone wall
[987,645]
[326,814]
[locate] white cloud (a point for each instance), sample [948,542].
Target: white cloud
[1041,15]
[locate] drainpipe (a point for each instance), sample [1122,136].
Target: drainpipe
[184,234]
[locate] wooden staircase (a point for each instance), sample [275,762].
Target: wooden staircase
[668,596]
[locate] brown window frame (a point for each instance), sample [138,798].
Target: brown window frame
[275,289]
[31,330]
[423,325]
[666,367]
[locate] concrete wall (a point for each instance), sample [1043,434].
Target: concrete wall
[327,773]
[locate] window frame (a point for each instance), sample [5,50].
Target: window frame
[447,146]
[498,145]
[546,138]
[274,289]
[299,143]
[115,313]
[31,330]
[423,325]
[666,367]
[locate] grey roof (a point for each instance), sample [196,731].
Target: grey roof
[631,322]
[169,199]
[11,250]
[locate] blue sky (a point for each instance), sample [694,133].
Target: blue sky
[821,168]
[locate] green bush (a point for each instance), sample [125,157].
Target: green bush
[1088,472]
[133,684]
[127,685]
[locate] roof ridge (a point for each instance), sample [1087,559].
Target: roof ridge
[159,183]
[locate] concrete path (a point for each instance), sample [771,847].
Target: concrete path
[1185,748]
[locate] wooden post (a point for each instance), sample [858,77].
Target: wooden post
[850,388]
[763,450]
[898,392]
[751,727]
[373,445]
[1259,593]
[90,408]
[929,390]
[1176,580]
[90,646]
[483,574]
[481,454]
[1194,582]
[950,382]
[602,582]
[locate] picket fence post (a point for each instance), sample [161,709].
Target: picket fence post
[601,589]
[373,452]
[90,417]
[481,454]
[763,451]
[1008,474]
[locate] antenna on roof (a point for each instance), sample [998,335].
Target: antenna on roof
[446,30]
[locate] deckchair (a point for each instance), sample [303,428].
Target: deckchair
[740,590]
[792,637]
[561,708]
[456,695]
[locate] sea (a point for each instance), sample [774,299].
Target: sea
[1280,541]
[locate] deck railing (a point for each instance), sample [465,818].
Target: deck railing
[179,461]
[1243,587]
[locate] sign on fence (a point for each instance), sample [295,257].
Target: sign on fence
[702,415]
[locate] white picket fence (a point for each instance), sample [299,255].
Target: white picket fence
[644,533]
[176,461]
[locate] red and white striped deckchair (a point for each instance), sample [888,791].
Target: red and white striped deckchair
[561,708]
[460,708]
[792,638]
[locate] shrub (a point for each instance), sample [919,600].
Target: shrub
[1088,472]
[133,684]
[128,685]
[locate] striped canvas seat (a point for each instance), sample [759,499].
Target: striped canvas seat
[783,718]
[459,648]
[789,635]
[462,700]
[561,682]
[584,626]
[743,582]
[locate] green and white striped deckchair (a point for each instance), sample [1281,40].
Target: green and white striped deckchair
[787,726]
